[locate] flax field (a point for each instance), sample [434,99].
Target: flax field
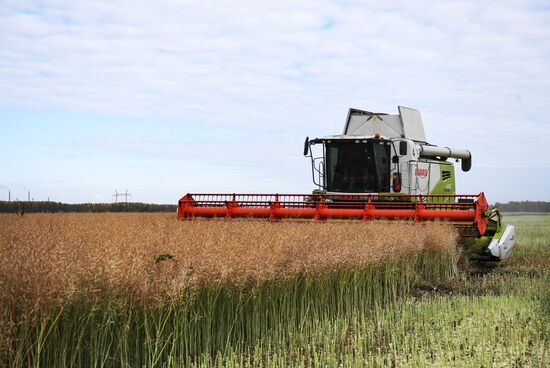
[147,290]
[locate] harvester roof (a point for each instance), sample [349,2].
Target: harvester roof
[407,124]
[342,137]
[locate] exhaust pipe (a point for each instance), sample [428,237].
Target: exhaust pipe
[445,152]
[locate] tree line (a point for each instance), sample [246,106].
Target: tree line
[524,206]
[22,207]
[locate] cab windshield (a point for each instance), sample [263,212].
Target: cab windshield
[362,167]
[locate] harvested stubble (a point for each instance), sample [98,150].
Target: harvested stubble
[136,289]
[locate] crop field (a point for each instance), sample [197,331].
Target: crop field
[147,290]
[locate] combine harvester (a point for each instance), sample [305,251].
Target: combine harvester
[381,167]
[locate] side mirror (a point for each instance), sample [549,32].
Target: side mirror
[402,148]
[466,163]
[306,146]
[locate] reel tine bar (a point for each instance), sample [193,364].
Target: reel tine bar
[467,212]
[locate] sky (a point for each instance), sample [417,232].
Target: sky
[162,98]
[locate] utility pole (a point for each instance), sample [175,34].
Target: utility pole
[121,195]
[28,195]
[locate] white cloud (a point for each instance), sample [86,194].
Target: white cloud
[478,71]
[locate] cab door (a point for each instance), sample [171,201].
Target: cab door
[419,175]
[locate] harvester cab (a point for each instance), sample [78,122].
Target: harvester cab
[381,167]
[382,153]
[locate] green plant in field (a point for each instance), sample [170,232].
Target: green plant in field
[163,257]
[96,290]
